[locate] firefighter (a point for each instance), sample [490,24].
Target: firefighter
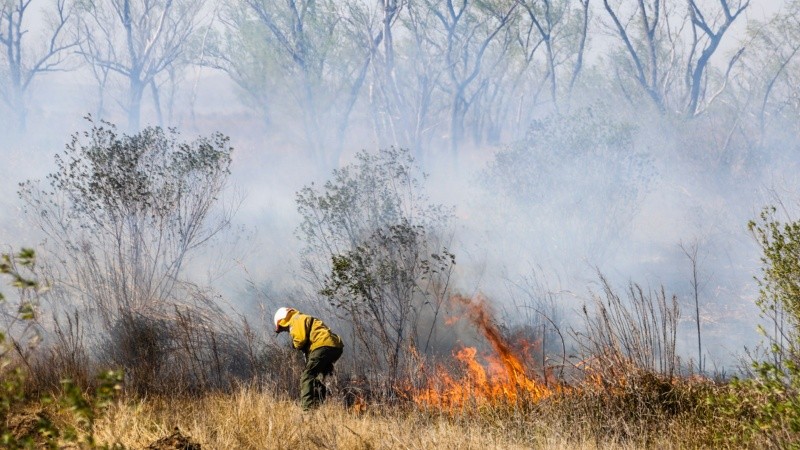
[321,347]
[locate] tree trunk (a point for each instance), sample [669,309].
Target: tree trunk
[135,104]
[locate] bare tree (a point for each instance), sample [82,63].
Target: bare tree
[301,56]
[138,41]
[584,33]
[691,253]
[641,45]
[548,42]
[556,21]
[707,34]
[771,66]
[235,44]
[408,86]
[371,26]
[466,30]
[403,75]
[21,61]
[659,39]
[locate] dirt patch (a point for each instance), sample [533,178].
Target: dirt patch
[175,441]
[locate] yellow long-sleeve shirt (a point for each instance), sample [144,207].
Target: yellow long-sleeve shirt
[309,333]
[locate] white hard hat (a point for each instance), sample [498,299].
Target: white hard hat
[280,314]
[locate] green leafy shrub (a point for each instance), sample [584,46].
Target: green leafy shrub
[767,407]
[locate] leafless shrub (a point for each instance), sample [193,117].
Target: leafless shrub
[64,355]
[536,318]
[195,347]
[138,344]
[629,364]
[639,333]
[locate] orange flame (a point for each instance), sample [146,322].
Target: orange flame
[503,380]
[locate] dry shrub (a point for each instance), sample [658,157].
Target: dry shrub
[189,351]
[68,357]
[627,385]
[642,407]
[637,331]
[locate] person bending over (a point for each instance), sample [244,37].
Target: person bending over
[321,347]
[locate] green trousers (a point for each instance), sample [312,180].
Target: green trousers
[318,364]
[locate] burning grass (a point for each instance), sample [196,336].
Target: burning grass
[611,398]
[502,377]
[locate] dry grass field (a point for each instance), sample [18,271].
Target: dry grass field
[250,417]
[253,419]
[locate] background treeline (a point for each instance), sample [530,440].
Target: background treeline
[599,113]
[433,76]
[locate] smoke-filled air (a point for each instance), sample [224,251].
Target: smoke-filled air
[400,224]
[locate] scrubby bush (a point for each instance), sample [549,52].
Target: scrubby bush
[123,215]
[375,252]
[770,401]
[571,166]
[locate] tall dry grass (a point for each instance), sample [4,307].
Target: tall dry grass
[251,418]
